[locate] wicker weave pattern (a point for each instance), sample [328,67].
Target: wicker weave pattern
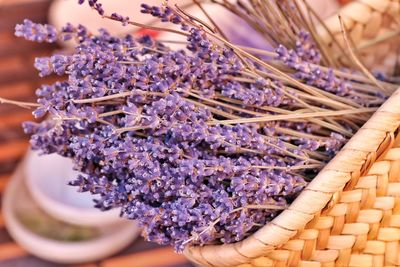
[348,216]
[366,21]
[362,228]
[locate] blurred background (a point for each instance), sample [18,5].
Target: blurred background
[43,223]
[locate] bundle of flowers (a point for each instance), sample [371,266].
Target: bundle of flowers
[200,145]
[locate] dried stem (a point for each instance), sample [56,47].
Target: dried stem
[356,60]
[114,96]
[19,103]
[295,116]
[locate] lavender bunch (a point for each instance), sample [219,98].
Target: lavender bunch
[201,145]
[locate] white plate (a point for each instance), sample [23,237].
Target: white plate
[110,240]
[47,178]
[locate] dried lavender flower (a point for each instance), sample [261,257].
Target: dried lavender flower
[310,73]
[36,32]
[147,127]
[306,48]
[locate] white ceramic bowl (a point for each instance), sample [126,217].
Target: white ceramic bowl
[47,178]
[109,240]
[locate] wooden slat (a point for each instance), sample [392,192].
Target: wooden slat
[10,251]
[162,257]
[6,37]
[13,150]
[11,65]
[18,67]
[19,47]
[12,14]
[4,180]
[16,91]
[14,120]
[9,166]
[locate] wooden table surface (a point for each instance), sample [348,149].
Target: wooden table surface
[18,80]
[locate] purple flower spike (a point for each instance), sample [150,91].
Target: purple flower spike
[36,32]
[303,59]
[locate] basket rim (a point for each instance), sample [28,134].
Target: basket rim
[354,159]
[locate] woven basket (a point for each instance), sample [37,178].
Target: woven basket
[367,22]
[349,215]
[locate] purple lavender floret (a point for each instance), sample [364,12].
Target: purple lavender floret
[99,8]
[306,48]
[164,13]
[123,19]
[55,64]
[36,32]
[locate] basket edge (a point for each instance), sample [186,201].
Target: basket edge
[319,193]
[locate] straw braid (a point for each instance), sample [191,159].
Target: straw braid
[365,21]
[349,215]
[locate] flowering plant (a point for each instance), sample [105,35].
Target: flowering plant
[204,144]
